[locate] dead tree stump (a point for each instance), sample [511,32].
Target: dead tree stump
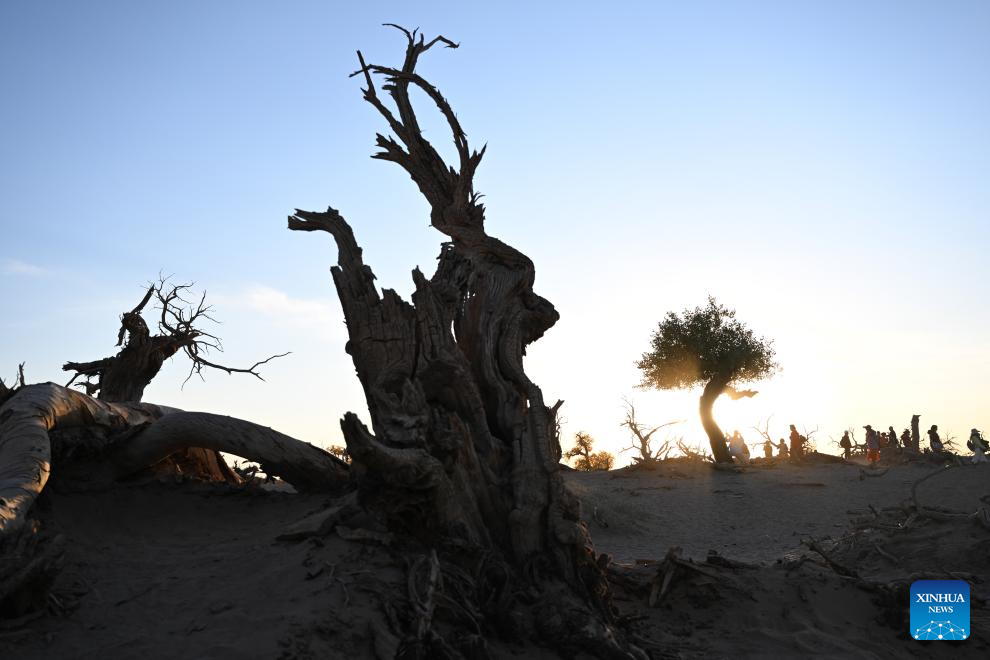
[463,454]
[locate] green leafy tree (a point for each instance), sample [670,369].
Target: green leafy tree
[586,458]
[709,347]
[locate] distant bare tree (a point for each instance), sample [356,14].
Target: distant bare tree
[124,376]
[7,392]
[764,432]
[949,443]
[642,441]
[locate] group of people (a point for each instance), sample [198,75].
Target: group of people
[876,442]
[885,441]
[740,451]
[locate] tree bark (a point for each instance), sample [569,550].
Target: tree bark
[463,453]
[916,433]
[122,438]
[301,464]
[716,438]
[124,377]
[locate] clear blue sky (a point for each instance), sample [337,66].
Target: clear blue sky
[822,167]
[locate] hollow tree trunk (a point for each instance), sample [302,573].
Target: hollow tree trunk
[716,438]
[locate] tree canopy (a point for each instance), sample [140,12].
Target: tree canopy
[698,345]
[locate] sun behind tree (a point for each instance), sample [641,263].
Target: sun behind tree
[707,346]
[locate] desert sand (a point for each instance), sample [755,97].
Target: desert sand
[195,570]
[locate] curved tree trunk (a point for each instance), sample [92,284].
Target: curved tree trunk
[25,448]
[301,464]
[713,390]
[122,438]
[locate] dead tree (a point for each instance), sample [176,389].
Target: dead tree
[124,376]
[7,392]
[642,441]
[764,431]
[463,454]
[916,433]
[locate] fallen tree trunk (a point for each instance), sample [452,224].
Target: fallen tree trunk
[25,449]
[113,440]
[299,463]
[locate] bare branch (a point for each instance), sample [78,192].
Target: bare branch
[642,436]
[124,376]
[199,362]
[765,431]
[455,205]
[735,394]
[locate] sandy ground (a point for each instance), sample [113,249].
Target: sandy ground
[195,570]
[192,571]
[785,607]
[756,515]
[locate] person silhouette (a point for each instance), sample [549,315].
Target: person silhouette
[797,444]
[934,441]
[738,448]
[872,445]
[846,445]
[979,446]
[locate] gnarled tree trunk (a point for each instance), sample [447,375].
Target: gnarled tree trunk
[716,438]
[463,453]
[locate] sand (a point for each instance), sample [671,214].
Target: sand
[756,515]
[167,570]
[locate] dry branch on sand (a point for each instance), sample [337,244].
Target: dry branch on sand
[900,539]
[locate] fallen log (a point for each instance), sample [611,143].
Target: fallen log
[128,438]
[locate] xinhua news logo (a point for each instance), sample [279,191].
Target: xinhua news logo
[940,610]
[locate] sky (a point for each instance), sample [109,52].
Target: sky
[821,167]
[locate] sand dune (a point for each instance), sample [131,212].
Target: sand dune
[195,570]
